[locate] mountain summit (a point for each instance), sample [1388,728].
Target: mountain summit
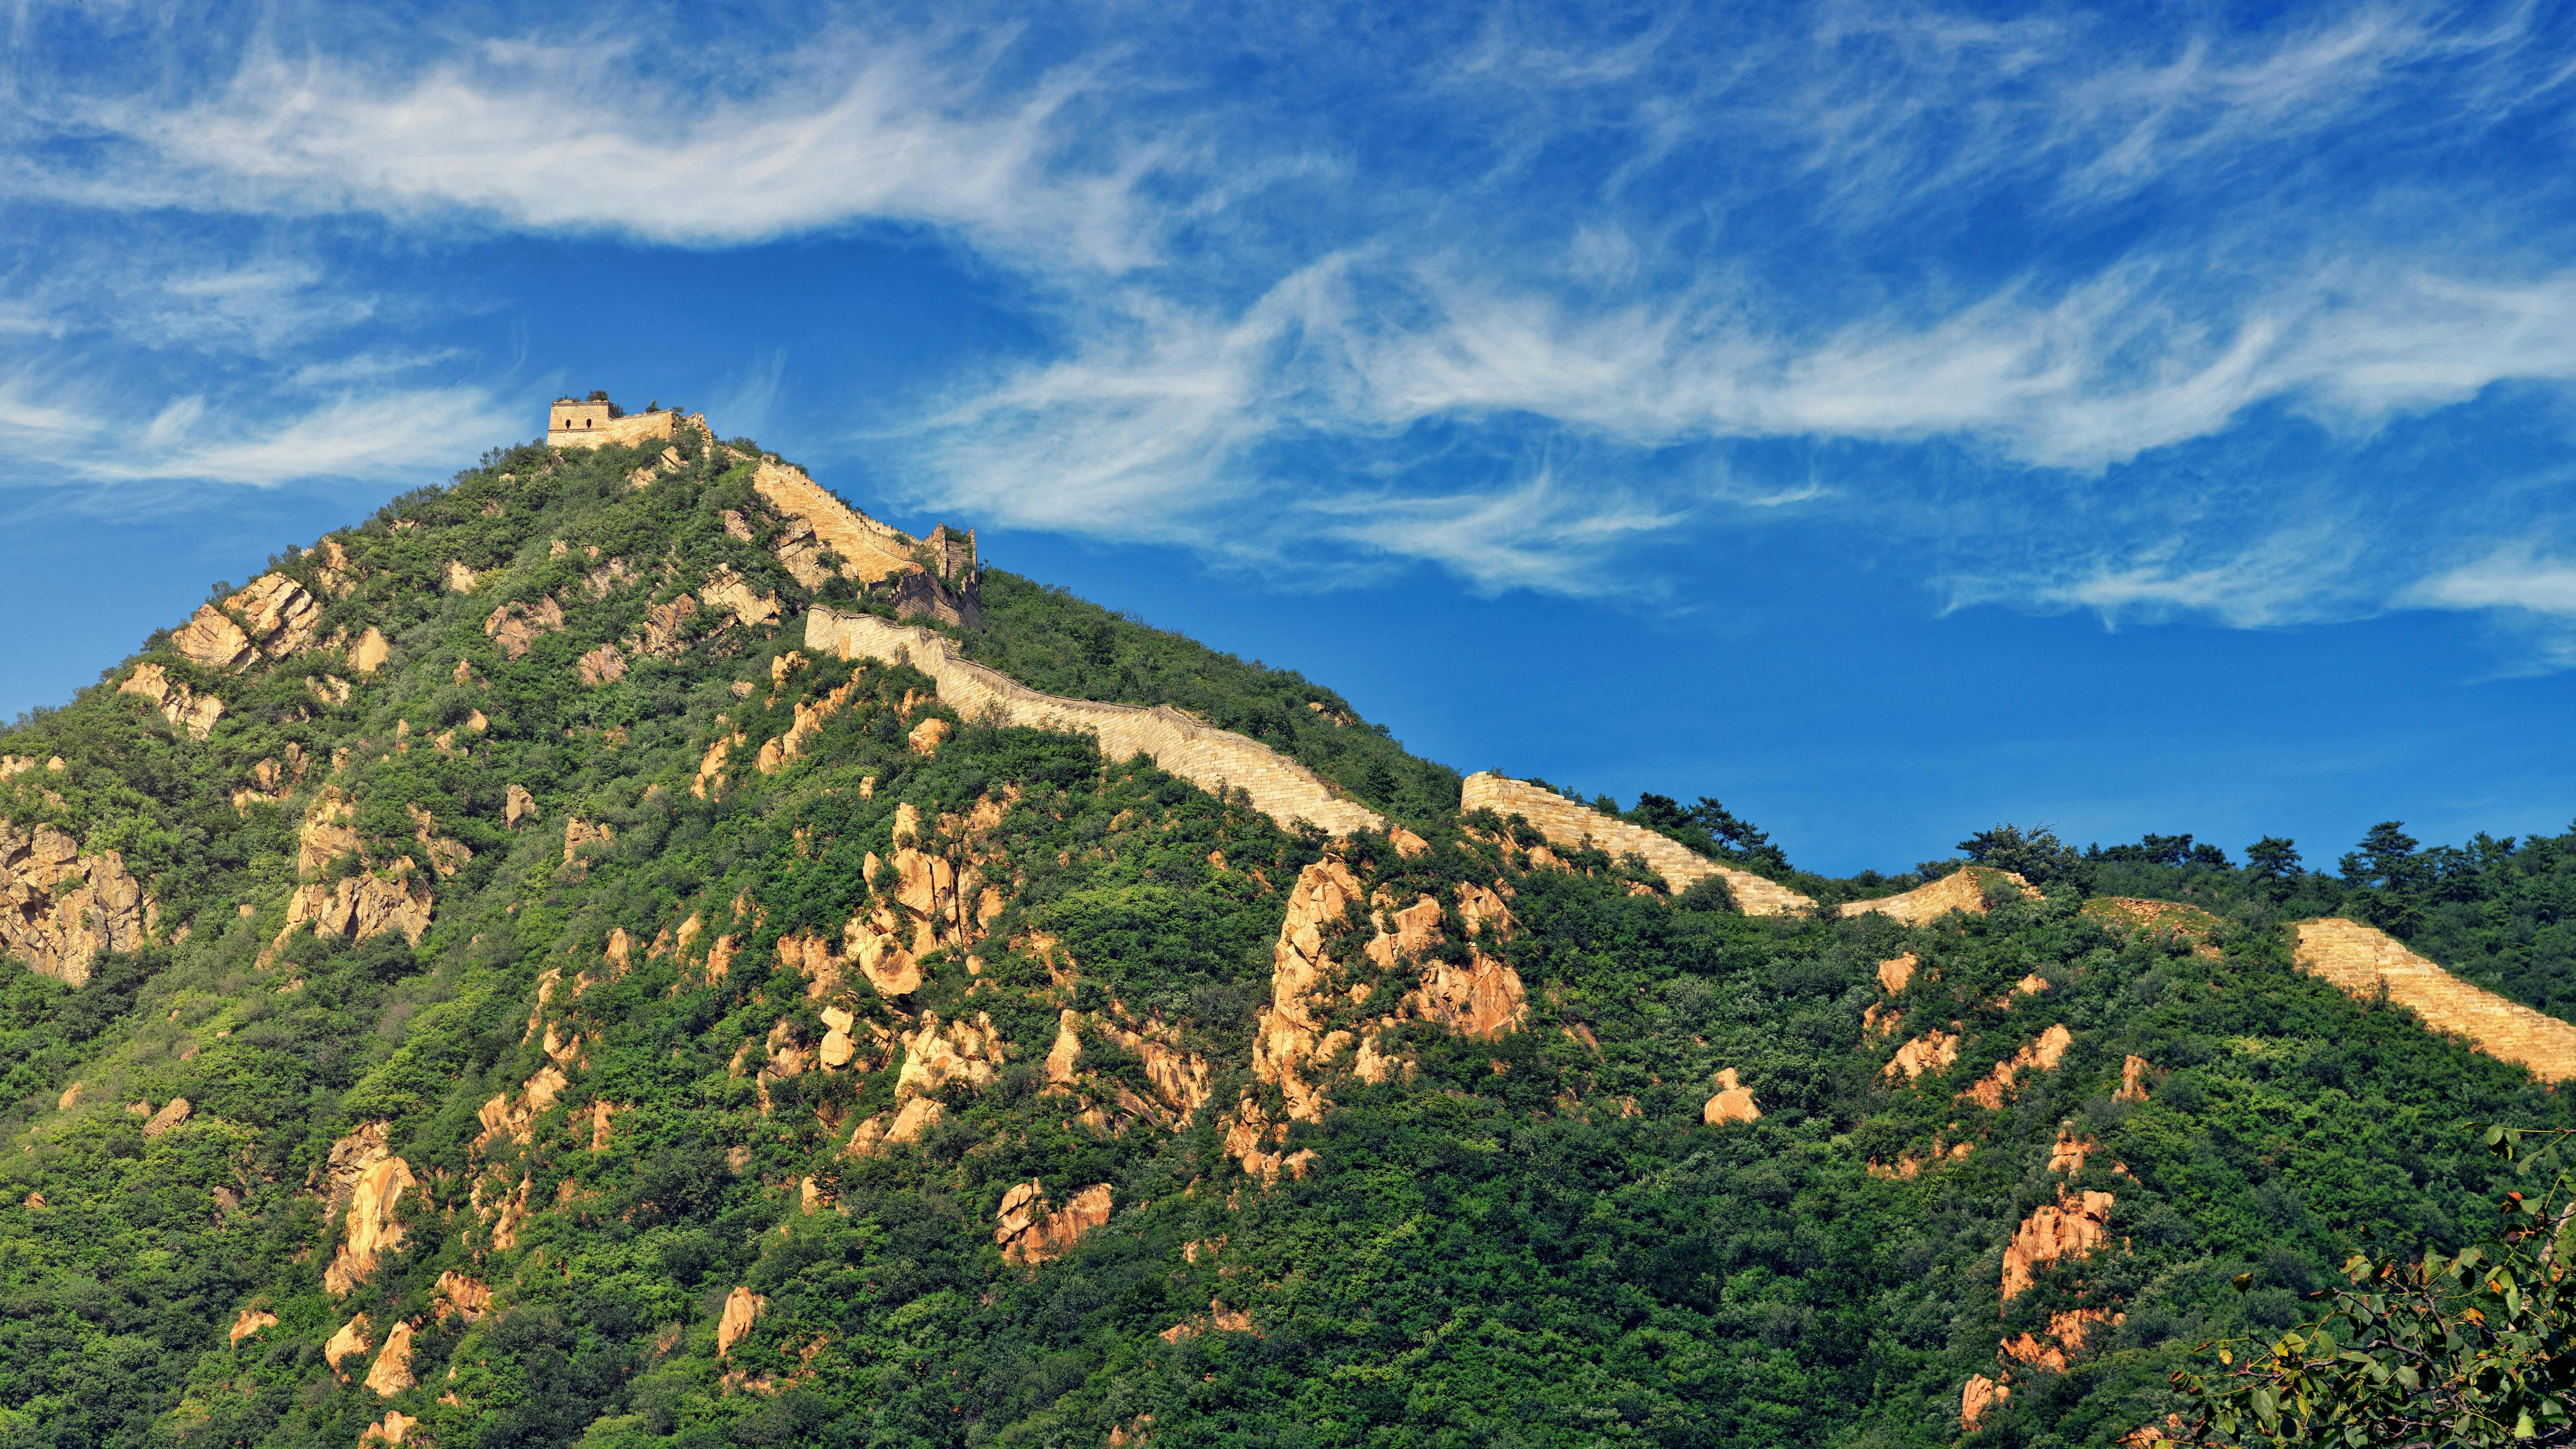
[627,949]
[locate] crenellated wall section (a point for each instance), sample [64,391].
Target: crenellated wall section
[2361,958]
[1572,824]
[1201,753]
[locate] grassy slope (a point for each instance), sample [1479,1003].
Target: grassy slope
[1494,1252]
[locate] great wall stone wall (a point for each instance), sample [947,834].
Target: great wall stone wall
[596,424]
[1280,787]
[1572,824]
[2360,959]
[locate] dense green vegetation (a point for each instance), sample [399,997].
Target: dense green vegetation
[1530,1239]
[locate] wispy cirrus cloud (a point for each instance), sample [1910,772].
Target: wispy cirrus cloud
[1502,291]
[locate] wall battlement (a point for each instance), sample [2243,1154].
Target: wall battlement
[1574,825]
[1201,753]
[574,423]
[2360,959]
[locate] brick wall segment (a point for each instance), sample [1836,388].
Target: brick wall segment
[1573,824]
[2360,959]
[1198,752]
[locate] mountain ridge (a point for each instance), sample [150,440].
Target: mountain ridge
[564,1000]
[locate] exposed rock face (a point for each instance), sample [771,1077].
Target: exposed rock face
[360,906]
[2064,1339]
[514,628]
[349,1342]
[935,1054]
[1733,1102]
[926,736]
[2133,1079]
[457,577]
[2071,1227]
[502,1117]
[370,652]
[741,1307]
[171,1115]
[388,1431]
[182,706]
[580,834]
[460,1294]
[603,665]
[213,640]
[1575,825]
[391,1372]
[518,805]
[1980,1394]
[1029,1234]
[59,909]
[1961,890]
[809,721]
[1482,997]
[726,590]
[252,1320]
[1894,976]
[666,628]
[2043,1055]
[348,1160]
[1280,788]
[277,615]
[1930,1052]
[370,1229]
[1179,1077]
[2360,959]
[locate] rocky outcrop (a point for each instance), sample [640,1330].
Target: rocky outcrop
[1978,1396]
[370,652]
[252,1320]
[515,628]
[2071,1227]
[1961,890]
[2361,960]
[579,836]
[936,1053]
[518,805]
[274,616]
[1578,826]
[1896,974]
[2133,1079]
[361,906]
[171,1115]
[1931,1052]
[461,1295]
[1733,1102]
[1029,1234]
[182,706]
[391,1372]
[740,1308]
[60,909]
[348,1343]
[1180,1078]
[2064,1338]
[2041,1055]
[388,1431]
[1280,788]
[603,665]
[370,1229]
[724,589]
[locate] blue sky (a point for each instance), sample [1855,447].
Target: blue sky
[1890,419]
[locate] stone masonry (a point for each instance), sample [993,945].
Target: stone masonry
[574,424]
[2360,959]
[1280,787]
[1573,824]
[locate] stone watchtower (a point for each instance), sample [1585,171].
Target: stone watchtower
[592,421]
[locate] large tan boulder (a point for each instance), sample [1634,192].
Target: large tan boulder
[391,1372]
[1733,1102]
[61,909]
[2071,1227]
[1028,1233]
[348,1343]
[171,1115]
[252,1320]
[741,1307]
[213,640]
[370,652]
[370,1229]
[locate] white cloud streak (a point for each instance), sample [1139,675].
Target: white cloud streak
[1520,324]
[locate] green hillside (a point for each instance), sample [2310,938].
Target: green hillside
[705,1107]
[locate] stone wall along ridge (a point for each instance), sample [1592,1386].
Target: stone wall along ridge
[869,550]
[593,428]
[1573,824]
[2360,958]
[1201,753]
